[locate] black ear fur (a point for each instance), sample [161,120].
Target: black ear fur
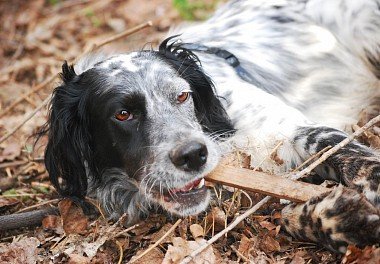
[210,111]
[68,146]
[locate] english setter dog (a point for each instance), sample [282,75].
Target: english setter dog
[141,130]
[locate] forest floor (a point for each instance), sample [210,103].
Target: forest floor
[35,38]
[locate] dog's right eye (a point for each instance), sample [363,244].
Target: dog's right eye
[124,115]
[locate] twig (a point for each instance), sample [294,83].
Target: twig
[13,164]
[23,195]
[157,242]
[120,35]
[319,153]
[26,119]
[121,252]
[126,230]
[27,95]
[239,254]
[226,230]
[37,205]
[334,149]
[25,219]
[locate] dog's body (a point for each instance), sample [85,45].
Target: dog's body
[142,129]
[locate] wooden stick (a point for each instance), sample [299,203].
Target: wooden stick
[25,219]
[334,149]
[120,35]
[226,230]
[265,183]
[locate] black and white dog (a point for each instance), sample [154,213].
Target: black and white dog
[141,130]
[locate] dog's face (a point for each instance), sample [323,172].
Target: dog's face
[149,114]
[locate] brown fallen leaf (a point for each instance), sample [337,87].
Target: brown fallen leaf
[53,222]
[11,151]
[24,251]
[73,219]
[196,231]
[267,225]
[269,244]
[298,258]
[217,217]
[182,248]
[355,255]
[78,259]
[7,203]
[245,245]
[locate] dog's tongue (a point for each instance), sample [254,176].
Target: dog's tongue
[187,187]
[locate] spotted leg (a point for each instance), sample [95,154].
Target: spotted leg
[345,215]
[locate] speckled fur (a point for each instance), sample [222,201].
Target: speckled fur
[315,65]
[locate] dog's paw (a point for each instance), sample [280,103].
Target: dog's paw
[334,220]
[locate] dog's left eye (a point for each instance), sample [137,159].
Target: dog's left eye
[124,115]
[183,96]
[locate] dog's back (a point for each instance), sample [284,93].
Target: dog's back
[319,56]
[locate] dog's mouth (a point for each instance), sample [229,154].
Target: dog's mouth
[190,199]
[194,187]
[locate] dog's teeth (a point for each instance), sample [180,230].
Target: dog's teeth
[200,184]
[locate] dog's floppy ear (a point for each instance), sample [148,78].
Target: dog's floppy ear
[68,147]
[209,109]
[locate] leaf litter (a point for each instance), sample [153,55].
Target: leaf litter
[36,37]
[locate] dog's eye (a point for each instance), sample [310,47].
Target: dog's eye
[183,96]
[124,115]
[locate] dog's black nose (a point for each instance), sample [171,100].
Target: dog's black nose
[190,156]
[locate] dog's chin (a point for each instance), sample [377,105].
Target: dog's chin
[191,199]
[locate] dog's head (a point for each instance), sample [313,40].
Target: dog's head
[152,115]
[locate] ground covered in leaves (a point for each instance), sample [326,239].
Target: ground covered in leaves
[35,38]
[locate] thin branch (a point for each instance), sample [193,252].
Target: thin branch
[157,242]
[126,230]
[25,219]
[334,149]
[13,163]
[120,35]
[28,94]
[226,230]
[26,209]
[239,254]
[26,119]
[312,157]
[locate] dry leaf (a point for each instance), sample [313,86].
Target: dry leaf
[73,218]
[10,152]
[182,248]
[368,255]
[78,259]
[245,245]
[298,258]
[218,217]
[23,251]
[53,222]
[7,203]
[196,231]
[267,225]
[269,244]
